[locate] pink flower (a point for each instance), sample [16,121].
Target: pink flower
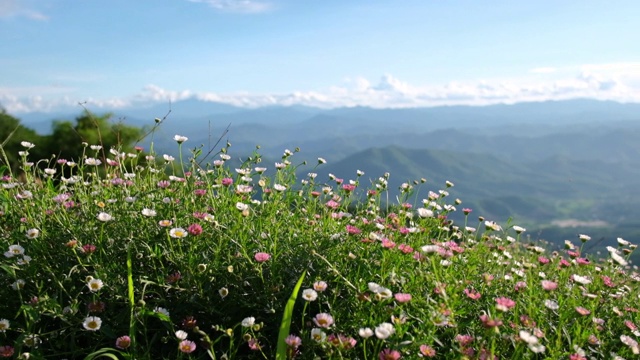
[549,285]
[388,354]
[227,181]
[331,204]
[405,248]
[488,322]
[543,260]
[520,285]
[504,304]
[262,257]
[607,281]
[472,294]
[582,311]
[323,320]
[577,356]
[253,344]
[427,351]
[320,286]
[187,346]
[348,187]
[582,261]
[402,298]
[293,341]
[200,192]
[466,211]
[6,351]
[342,341]
[195,229]
[123,342]
[352,230]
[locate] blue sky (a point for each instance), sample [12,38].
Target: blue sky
[118,53]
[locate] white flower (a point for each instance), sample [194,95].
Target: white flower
[490,225]
[365,332]
[425,213]
[581,279]
[619,259]
[92,161]
[623,242]
[14,250]
[148,212]
[18,284]
[242,206]
[248,321]
[519,229]
[181,335]
[95,147]
[95,285]
[309,295]
[4,325]
[384,330]
[161,310]
[178,233]
[180,139]
[168,158]
[279,187]
[223,292]
[33,233]
[318,335]
[584,238]
[321,161]
[50,171]
[537,348]
[103,216]
[27,144]
[551,305]
[24,260]
[528,337]
[92,323]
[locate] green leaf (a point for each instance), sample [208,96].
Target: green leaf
[103,353]
[285,325]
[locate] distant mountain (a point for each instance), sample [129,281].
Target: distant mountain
[498,188]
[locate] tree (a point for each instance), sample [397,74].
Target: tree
[12,134]
[66,140]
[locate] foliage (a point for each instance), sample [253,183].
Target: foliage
[67,140]
[132,258]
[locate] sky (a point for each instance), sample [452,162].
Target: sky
[55,54]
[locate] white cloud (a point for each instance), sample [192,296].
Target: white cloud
[618,82]
[239,6]
[543,70]
[13,8]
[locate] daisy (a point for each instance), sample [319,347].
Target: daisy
[309,295]
[178,233]
[95,285]
[323,320]
[92,323]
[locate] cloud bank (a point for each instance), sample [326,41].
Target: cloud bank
[618,82]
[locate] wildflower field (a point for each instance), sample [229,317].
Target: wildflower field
[137,255]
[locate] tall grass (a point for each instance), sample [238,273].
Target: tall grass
[129,257]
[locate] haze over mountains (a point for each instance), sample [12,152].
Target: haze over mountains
[540,163]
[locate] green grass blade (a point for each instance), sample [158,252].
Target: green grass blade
[285,325]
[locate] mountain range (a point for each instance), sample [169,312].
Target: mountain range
[540,163]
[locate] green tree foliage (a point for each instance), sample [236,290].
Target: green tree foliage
[12,133]
[66,140]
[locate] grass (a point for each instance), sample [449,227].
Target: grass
[133,258]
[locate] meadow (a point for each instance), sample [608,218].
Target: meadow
[138,255]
